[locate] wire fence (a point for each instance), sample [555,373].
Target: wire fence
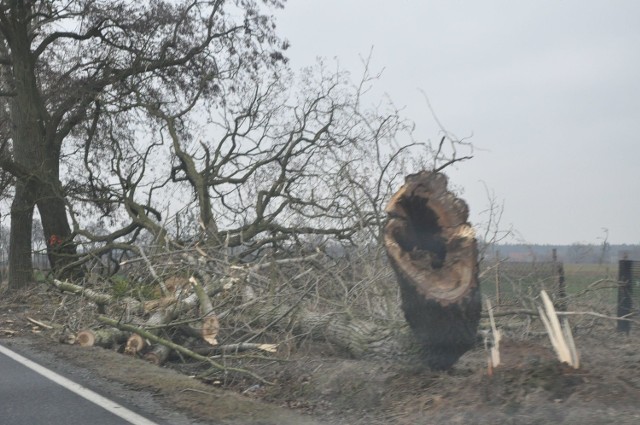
[39,259]
[513,284]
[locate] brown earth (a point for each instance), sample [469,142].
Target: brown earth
[316,384]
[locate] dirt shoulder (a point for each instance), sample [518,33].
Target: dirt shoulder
[165,393]
[530,388]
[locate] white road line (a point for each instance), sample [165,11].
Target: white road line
[105,403]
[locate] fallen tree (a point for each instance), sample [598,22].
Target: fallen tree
[432,248]
[358,338]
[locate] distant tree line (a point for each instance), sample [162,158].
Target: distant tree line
[579,253]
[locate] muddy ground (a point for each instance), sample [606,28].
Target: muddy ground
[317,384]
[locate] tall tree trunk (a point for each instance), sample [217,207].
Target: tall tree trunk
[28,120]
[38,158]
[433,250]
[20,263]
[60,250]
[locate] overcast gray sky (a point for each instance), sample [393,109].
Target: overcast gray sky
[549,89]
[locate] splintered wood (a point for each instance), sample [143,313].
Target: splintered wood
[433,250]
[560,335]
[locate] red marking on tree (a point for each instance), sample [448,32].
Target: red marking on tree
[54,240]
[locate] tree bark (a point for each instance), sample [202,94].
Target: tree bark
[198,181]
[433,250]
[99,298]
[158,354]
[20,262]
[361,339]
[28,130]
[57,232]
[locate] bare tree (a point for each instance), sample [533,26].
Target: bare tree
[69,70]
[286,160]
[98,95]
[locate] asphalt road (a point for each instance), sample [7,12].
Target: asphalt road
[31,394]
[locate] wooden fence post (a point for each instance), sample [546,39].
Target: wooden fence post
[624,294]
[560,293]
[562,288]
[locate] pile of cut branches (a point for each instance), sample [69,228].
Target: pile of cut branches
[196,306]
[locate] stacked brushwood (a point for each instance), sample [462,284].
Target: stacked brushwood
[208,310]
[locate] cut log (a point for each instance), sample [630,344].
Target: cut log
[135,344]
[99,298]
[209,326]
[105,338]
[96,297]
[183,350]
[210,323]
[208,331]
[158,354]
[433,250]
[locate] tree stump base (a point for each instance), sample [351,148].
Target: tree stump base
[433,250]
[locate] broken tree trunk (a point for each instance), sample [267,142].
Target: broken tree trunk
[433,250]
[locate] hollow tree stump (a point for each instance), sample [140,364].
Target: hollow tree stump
[433,250]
